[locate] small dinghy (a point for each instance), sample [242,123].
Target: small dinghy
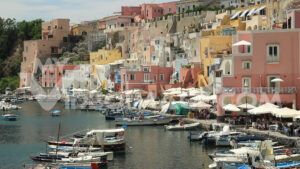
[182,126]
[55,113]
[10,116]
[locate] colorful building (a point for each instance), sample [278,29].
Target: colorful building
[54,35]
[103,57]
[150,11]
[148,78]
[248,78]
[212,47]
[52,74]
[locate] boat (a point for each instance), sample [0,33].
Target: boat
[44,157]
[194,135]
[92,165]
[10,116]
[181,126]
[145,121]
[72,148]
[108,140]
[55,113]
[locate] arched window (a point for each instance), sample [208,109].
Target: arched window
[227,68]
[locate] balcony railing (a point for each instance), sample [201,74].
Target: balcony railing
[257,90]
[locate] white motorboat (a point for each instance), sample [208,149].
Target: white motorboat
[181,126]
[147,121]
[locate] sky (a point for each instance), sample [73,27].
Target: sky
[76,10]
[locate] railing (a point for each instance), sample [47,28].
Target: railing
[148,81]
[272,59]
[257,90]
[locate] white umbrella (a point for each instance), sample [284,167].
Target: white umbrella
[200,105]
[263,109]
[246,106]
[231,107]
[277,80]
[242,42]
[286,113]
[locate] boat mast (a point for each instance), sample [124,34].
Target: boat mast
[57,141]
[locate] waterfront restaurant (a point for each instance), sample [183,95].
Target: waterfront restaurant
[265,70]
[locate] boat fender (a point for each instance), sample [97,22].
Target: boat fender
[289,152]
[120,134]
[63,142]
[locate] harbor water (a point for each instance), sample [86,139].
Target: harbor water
[147,147]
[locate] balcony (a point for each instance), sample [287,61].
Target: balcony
[148,81]
[257,90]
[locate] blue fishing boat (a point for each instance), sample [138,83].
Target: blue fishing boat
[10,116]
[55,113]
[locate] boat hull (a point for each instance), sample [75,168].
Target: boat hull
[107,146]
[145,122]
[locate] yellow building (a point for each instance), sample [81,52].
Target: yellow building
[103,57]
[212,47]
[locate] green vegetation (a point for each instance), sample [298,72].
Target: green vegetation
[9,82]
[12,35]
[202,8]
[102,45]
[78,55]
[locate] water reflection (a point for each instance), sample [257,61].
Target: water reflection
[150,147]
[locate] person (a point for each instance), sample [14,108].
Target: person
[181,123]
[141,117]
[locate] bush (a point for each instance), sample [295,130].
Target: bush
[9,82]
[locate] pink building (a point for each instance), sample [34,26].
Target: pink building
[293,18]
[131,10]
[249,74]
[149,78]
[150,11]
[52,74]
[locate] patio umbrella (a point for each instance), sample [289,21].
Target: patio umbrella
[263,109]
[286,113]
[231,107]
[277,80]
[200,105]
[246,106]
[242,42]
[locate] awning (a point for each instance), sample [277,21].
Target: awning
[242,42]
[251,11]
[259,9]
[244,13]
[235,15]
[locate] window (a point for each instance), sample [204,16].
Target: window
[246,64]
[146,69]
[273,53]
[206,52]
[49,28]
[155,77]
[170,10]
[162,77]
[154,10]
[246,82]
[59,73]
[153,58]
[146,77]
[45,84]
[132,77]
